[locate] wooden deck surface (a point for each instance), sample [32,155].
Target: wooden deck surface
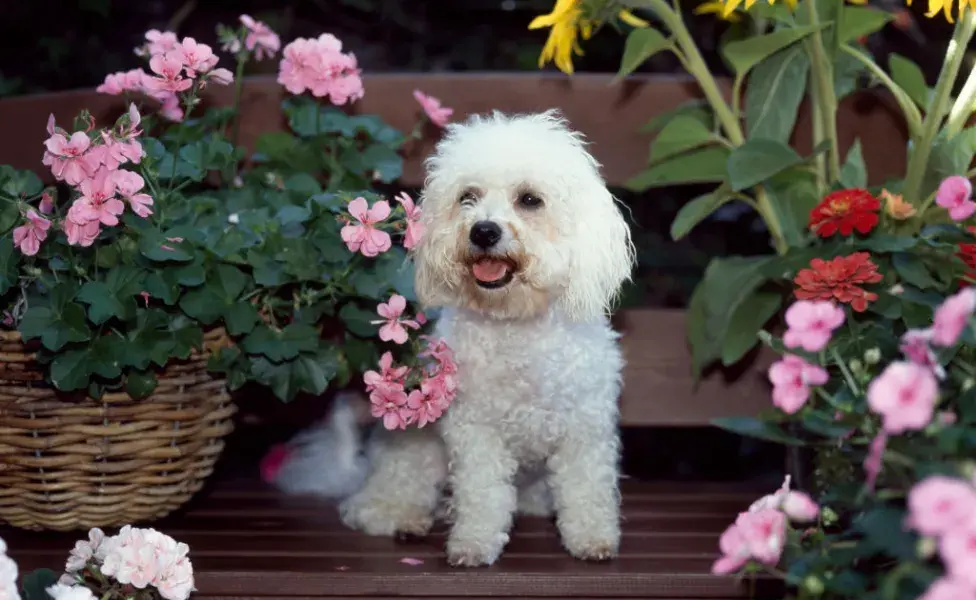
[247,541]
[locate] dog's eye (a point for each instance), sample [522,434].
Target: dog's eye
[530,201]
[468,197]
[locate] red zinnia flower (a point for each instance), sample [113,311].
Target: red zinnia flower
[967,253]
[839,279]
[845,211]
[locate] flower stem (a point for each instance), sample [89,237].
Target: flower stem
[919,158]
[963,106]
[848,376]
[238,90]
[826,99]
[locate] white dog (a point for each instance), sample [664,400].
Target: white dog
[524,249]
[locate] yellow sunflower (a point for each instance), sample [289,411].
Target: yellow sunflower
[945,7]
[566,25]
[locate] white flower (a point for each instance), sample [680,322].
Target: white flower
[85,551]
[233,218]
[143,557]
[175,577]
[59,591]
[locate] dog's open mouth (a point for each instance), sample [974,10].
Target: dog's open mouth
[492,273]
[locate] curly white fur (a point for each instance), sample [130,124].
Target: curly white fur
[534,426]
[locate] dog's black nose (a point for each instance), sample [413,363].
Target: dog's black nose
[485,234]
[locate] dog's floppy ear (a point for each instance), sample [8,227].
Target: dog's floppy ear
[601,253]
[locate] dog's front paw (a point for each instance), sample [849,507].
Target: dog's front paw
[588,543]
[387,517]
[470,552]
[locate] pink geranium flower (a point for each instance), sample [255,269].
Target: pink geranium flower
[394,326]
[764,533]
[388,377]
[425,409]
[169,73]
[792,378]
[904,395]
[171,109]
[415,228]
[28,237]
[952,316]
[123,82]
[320,66]
[938,504]
[161,42]
[46,205]
[735,551]
[915,346]
[220,76]
[129,185]
[365,237]
[80,231]
[437,114]
[874,461]
[67,156]
[948,588]
[85,551]
[391,406]
[98,201]
[811,323]
[955,195]
[197,58]
[260,39]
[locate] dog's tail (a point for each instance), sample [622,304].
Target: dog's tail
[326,460]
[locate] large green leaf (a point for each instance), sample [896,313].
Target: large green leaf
[219,294]
[36,582]
[793,194]
[757,428]
[281,345]
[641,44]
[910,78]
[308,372]
[776,88]
[681,134]
[114,297]
[696,109]
[745,54]
[948,157]
[758,160]
[857,21]
[703,165]
[694,212]
[727,283]
[745,324]
[854,173]
[55,324]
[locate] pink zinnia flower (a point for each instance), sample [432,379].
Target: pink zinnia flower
[169,73]
[811,323]
[954,194]
[394,327]
[67,156]
[129,186]
[415,228]
[260,39]
[792,377]
[958,551]
[98,201]
[437,114]
[939,504]
[952,316]
[28,237]
[735,551]
[365,237]
[904,395]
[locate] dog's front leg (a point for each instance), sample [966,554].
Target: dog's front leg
[583,476]
[483,488]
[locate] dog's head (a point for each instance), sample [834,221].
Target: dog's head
[517,219]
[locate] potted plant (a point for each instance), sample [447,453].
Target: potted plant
[166,254]
[876,377]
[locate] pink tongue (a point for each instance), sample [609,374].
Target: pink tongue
[489,270]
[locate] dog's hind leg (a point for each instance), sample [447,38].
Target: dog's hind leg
[402,490]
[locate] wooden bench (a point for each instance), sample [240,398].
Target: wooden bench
[247,541]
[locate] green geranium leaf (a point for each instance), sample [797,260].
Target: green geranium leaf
[36,582]
[71,370]
[9,214]
[208,302]
[241,318]
[17,183]
[383,162]
[140,384]
[55,325]
[308,372]
[165,247]
[114,297]
[9,262]
[281,345]
[757,428]
[358,320]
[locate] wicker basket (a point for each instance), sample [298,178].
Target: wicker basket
[67,465]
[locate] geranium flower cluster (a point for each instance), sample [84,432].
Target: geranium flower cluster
[91,164]
[400,395]
[321,67]
[943,509]
[176,67]
[258,38]
[8,575]
[760,533]
[134,559]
